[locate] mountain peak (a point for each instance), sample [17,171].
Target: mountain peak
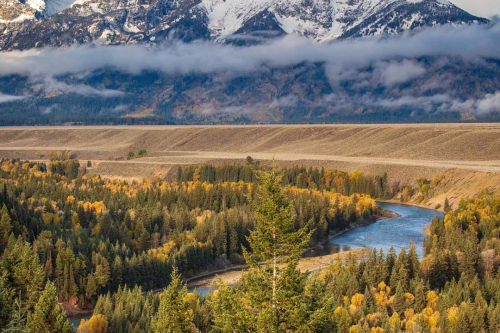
[40,23]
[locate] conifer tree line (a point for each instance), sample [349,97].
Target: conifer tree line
[75,239]
[345,183]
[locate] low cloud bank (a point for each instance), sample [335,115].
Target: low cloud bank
[390,58]
[490,103]
[468,43]
[400,72]
[81,89]
[5,98]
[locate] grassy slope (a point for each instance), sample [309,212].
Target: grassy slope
[468,152]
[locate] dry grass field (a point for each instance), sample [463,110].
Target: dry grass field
[469,152]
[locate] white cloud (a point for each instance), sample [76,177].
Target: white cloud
[4,98]
[206,57]
[427,103]
[286,101]
[80,89]
[399,72]
[490,103]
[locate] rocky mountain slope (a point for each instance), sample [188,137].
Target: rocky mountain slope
[26,24]
[294,94]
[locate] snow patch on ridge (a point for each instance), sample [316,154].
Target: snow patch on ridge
[38,5]
[57,6]
[226,17]
[20,18]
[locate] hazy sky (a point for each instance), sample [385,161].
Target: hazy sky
[484,8]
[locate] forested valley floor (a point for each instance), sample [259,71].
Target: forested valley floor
[86,242]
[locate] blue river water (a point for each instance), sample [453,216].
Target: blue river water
[398,232]
[76,320]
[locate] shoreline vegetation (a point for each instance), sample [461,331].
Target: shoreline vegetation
[412,204]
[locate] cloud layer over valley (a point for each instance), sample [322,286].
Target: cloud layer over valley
[366,64]
[469,42]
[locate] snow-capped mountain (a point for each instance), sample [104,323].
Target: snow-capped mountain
[325,20]
[36,23]
[13,11]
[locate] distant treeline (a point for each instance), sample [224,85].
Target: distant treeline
[79,121]
[345,183]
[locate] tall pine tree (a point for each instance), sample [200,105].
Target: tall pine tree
[49,315]
[5,227]
[176,311]
[277,248]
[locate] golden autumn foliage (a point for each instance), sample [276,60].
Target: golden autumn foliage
[8,166]
[94,207]
[409,299]
[356,329]
[192,301]
[452,315]
[162,253]
[432,299]
[395,322]
[70,199]
[96,324]
[356,306]
[382,295]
